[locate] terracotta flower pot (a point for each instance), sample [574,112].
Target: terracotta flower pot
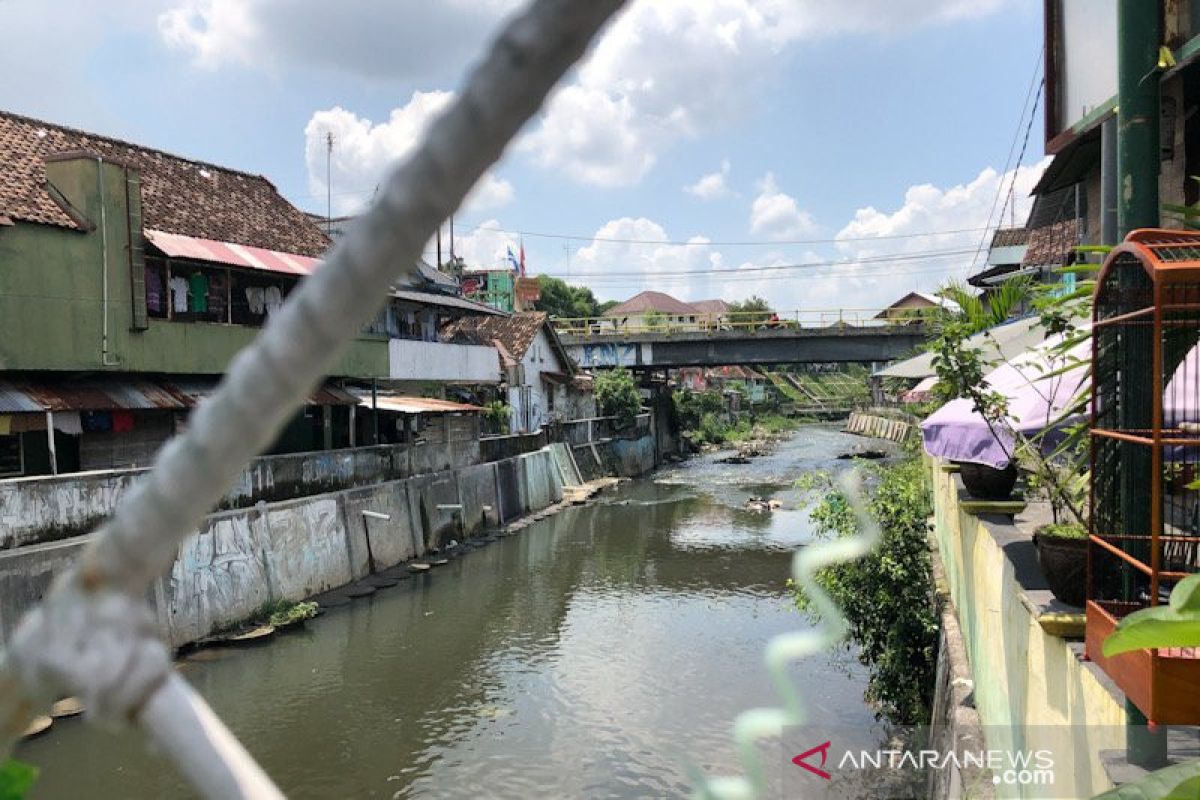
[988,483]
[1063,560]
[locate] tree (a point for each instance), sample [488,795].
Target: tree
[752,310]
[561,299]
[617,395]
[654,319]
[1005,302]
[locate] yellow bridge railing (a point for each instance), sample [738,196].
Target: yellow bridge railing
[743,321]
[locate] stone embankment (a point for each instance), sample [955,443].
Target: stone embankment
[878,427]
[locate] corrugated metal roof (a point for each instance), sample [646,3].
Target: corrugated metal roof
[430,299]
[406,404]
[234,255]
[37,395]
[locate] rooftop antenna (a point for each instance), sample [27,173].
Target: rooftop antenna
[328,183]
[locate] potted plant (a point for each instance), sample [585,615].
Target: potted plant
[988,483]
[1062,555]
[1062,479]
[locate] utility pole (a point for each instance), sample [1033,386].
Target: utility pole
[329,183]
[1138,40]
[452,237]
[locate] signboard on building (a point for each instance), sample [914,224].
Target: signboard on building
[1081,66]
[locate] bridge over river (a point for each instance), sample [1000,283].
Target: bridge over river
[790,338]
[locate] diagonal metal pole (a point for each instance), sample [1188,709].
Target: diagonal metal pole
[92,635]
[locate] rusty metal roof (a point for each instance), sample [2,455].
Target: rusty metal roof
[236,255]
[407,404]
[107,393]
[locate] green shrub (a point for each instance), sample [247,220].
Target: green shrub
[496,415]
[887,596]
[617,395]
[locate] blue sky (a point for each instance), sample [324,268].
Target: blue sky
[813,120]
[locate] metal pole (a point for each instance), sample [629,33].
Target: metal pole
[329,183]
[50,442]
[1138,40]
[1108,182]
[375,409]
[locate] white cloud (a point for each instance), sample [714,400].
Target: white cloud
[635,245]
[665,70]
[777,215]
[363,151]
[214,32]
[959,212]
[671,69]
[484,247]
[852,281]
[357,37]
[712,185]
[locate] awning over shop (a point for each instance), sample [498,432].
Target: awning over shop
[111,393]
[235,255]
[1002,342]
[1039,387]
[406,404]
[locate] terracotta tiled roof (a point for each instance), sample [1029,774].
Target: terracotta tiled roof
[651,301]
[710,306]
[1051,245]
[178,195]
[1010,237]
[512,334]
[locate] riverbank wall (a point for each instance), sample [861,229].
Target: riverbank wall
[244,558]
[1011,666]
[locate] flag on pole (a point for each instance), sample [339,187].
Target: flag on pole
[522,256]
[512,261]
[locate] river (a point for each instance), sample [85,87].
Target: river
[600,652]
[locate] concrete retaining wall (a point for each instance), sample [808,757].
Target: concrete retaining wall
[242,559]
[1031,687]
[42,509]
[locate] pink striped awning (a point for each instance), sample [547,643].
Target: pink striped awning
[235,255]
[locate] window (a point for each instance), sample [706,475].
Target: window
[255,297]
[12,458]
[157,299]
[194,293]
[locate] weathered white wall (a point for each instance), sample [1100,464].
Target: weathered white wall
[530,401]
[436,361]
[47,508]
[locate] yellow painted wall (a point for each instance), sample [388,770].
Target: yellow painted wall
[1027,683]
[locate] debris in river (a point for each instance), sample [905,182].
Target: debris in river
[67,707]
[761,504]
[866,453]
[39,724]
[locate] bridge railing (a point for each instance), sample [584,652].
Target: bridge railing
[741,321]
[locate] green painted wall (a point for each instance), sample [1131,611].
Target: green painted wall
[51,297]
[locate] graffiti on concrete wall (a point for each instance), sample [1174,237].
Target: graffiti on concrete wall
[613,354]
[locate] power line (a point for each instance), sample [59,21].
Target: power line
[704,242]
[1012,148]
[849,262]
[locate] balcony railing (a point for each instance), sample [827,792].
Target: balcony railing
[744,321]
